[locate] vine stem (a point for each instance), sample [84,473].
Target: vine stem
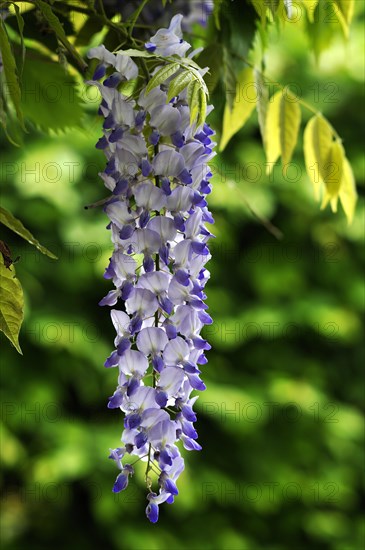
[157,261]
[136,14]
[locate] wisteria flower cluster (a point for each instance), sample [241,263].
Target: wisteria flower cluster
[158,176]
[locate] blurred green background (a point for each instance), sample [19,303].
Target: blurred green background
[281,423]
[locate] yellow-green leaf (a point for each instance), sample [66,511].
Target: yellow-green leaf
[202,107]
[260,8]
[282,127]
[347,193]
[333,170]
[344,10]
[16,225]
[243,105]
[290,115]
[310,6]
[317,144]
[11,304]
[262,102]
[272,132]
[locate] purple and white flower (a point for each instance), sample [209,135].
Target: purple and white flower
[157,174]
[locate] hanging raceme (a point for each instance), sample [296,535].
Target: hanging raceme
[158,176]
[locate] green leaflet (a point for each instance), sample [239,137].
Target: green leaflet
[327,164]
[347,193]
[11,304]
[282,127]
[3,122]
[332,175]
[179,83]
[290,116]
[10,72]
[16,225]
[193,99]
[272,132]
[318,137]
[243,105]
[260,8]
[190,78]
[162,74]
[135,53]
[272,5]
[333,169]
[310,6]
[202,107]
[20,22]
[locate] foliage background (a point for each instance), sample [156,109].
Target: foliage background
[284,471]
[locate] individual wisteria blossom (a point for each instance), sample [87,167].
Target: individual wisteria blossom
[157,173]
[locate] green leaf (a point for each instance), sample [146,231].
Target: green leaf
[272,5]
[162,74]
[260,8]
[272,131]
[318,137]
[193,97]
[16,225]
[3,122]
[347,193]
[11,305]
[49,96]
[20,22]
[135,53]
[202,107]
[178,84]
[58,29]
[310,6]
[10,72]
[347,8]
[244,104]
[200,79]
